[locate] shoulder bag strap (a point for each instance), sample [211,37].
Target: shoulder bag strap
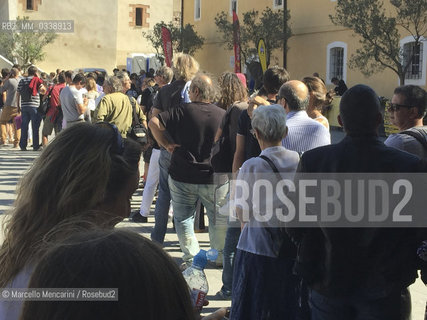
[225,128]
[272,165]
[416,135]
[134,115]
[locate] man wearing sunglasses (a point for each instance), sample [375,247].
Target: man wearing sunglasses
[407,110]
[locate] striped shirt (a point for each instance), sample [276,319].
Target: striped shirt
[304,133]
[25,93]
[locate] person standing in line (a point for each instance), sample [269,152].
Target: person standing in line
[116,108]
[163,77]
[234,97]
[73,103]
[246,145]
[304,133]
[407,110]
[264,286]
[54,117]
[170,97]
[28,100]
[10,109]
[320,99]
[193,127]
[359,272]
[340,86]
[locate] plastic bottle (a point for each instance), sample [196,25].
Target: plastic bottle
[196,277]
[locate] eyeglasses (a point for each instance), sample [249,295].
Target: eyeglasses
[396,106]
[118,147]
[280,98]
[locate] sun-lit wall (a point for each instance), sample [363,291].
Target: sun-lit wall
[309,47]
[104,30]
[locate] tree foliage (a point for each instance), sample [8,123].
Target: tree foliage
[26,47]
[379,34]
[185,40]
[267,25]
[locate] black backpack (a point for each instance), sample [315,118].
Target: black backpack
[45,104]
[26,92]
[221,153]
[137,131]
[148,96]
[418,135]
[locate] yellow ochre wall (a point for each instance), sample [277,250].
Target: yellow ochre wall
[312,32]
[213,57]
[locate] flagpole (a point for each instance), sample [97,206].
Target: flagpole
[285,39]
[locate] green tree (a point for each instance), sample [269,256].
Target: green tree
[26,47]
[183,40]
[379,34]
[267,25]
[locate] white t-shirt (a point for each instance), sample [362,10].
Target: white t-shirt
[71,97]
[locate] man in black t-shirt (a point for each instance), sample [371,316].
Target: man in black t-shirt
[193,127]
[246,144]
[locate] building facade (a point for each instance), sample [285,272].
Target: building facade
[316,45]
[105,33]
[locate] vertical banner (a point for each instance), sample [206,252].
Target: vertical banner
[167,45]
[236,40]
[262,54]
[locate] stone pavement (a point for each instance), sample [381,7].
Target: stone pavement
[13,163]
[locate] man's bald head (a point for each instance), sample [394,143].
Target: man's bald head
[360,110]
[296,95]
[206,90]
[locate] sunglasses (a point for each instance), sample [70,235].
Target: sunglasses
[396,106]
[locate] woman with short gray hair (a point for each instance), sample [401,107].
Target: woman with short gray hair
[263,282]
[269,123]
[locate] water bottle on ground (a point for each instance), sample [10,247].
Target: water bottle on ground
[196,277]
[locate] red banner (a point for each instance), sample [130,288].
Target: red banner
[236,40]
[167,46]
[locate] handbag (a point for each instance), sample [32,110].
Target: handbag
[18,122]
[137,131]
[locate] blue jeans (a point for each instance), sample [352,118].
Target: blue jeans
[230,247]
[161,211]
[30,114]
[391,307]
[184,201]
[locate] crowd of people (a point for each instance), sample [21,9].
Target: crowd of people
[202,135]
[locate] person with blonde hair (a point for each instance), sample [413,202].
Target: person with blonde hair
[170,97]
[184,66]
[320,99]
[85,177]
[92,94]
